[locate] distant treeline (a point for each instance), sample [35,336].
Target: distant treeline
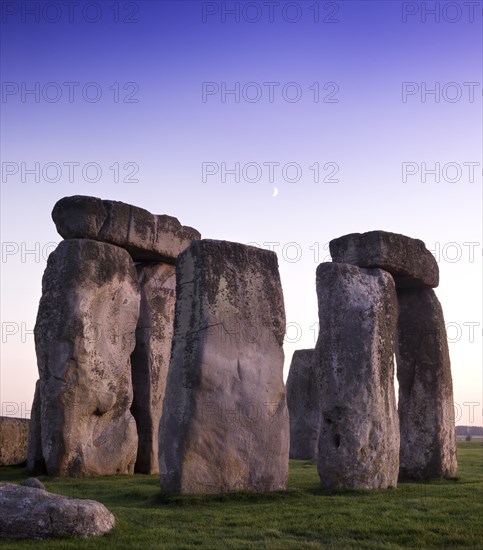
[469,430]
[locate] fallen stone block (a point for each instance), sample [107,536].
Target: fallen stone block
[33,513]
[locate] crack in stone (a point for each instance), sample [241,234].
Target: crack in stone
[129,223]
[106,220]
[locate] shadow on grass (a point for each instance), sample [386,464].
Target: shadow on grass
[10,474]
[164,498]
[319,491]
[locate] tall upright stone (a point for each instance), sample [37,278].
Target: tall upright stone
[303,402]
[150,359]
[225,425]
[35,456]
[359,434]
[426,414]
[84,336]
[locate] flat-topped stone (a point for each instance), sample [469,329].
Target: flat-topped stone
[146,236]
[13,440]
[407,260]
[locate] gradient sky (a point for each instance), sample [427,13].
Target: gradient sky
[376,132]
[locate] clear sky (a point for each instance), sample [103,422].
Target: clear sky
[258,122]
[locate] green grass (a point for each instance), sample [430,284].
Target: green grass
[443,514]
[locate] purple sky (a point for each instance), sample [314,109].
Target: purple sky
[356,115]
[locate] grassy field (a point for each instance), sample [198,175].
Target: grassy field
[446,514]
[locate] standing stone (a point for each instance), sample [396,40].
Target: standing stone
[303,404]
[84,336]
[13,440]
[150,359]
[147,237]
[35,456]
[407,260]
[225,425]
[426,416]
[359,432]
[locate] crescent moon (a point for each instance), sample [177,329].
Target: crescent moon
[275,192]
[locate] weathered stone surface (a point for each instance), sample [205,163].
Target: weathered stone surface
[35,457]
[303,402]
[32,513]
[146,236]
[225,425]
[150,359]
[33,482]
[13,440]
[84,336]
[408,260]
[426,414]
[359,432]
